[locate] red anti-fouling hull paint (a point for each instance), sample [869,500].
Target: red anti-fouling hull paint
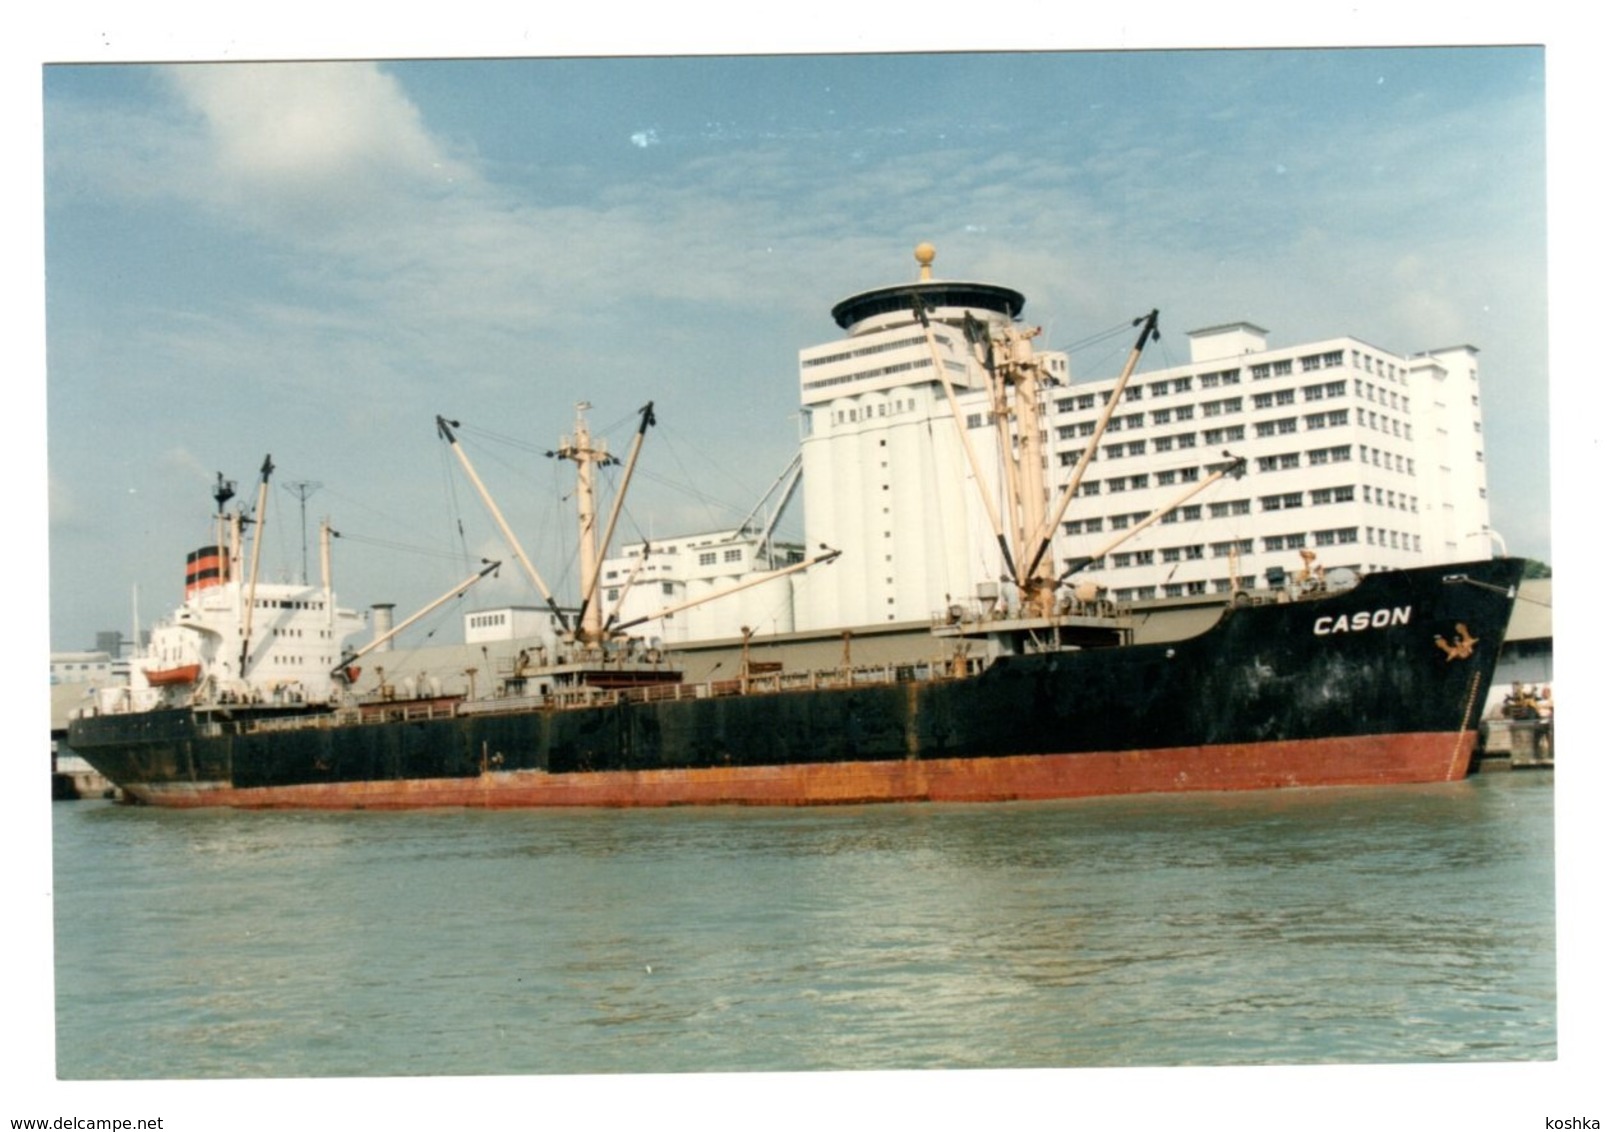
[1378,760]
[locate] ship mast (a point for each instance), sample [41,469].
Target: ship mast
[591,612]
[257,554]
[586,454]
[1148,332]
[223,491]
[591,628]
[325,535]
[1016,379]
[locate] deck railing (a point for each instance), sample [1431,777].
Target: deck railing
[570,699]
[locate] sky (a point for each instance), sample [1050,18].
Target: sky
[314,259]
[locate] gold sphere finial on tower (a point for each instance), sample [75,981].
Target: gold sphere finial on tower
[925,260]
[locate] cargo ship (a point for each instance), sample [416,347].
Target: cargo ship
[249,696]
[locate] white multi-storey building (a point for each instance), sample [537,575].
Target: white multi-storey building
[1363,458]
[1368,459]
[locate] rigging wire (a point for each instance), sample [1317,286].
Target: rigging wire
[1119,331]
[466,429]
[674,444]
[565,529]
[561,492]
[449,555]
[1118,343]
[354,501]
[455,513]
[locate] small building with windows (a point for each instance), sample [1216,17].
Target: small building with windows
[507,623]
[83,667]
[687,588]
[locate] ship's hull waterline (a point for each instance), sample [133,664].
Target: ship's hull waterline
[1378,684]
[1378,761]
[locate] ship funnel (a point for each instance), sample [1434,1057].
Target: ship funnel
[382,622]
[204,569]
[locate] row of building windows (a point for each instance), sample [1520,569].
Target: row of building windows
[875,348]
[1336,453]
[884,409]
[1271,544]
[1219,435]
[1369,392]
[733,554]
[1334,418]
[1391,461]
[1391,371]
[613,593]
[863,375]
[1282,461]
[1230,508]
[1308,363]
[1397,540]
[1297,540]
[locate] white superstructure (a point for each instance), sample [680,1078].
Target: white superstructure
[238,640]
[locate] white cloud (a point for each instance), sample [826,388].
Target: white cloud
[338,131]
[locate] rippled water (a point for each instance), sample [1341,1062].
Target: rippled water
[1352,925]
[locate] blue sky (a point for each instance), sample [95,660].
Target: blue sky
[314,259]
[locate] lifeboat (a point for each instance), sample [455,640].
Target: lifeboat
[173,677]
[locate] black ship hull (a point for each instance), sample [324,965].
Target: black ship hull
[1378,684]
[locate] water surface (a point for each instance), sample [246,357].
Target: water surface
[1403,924]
